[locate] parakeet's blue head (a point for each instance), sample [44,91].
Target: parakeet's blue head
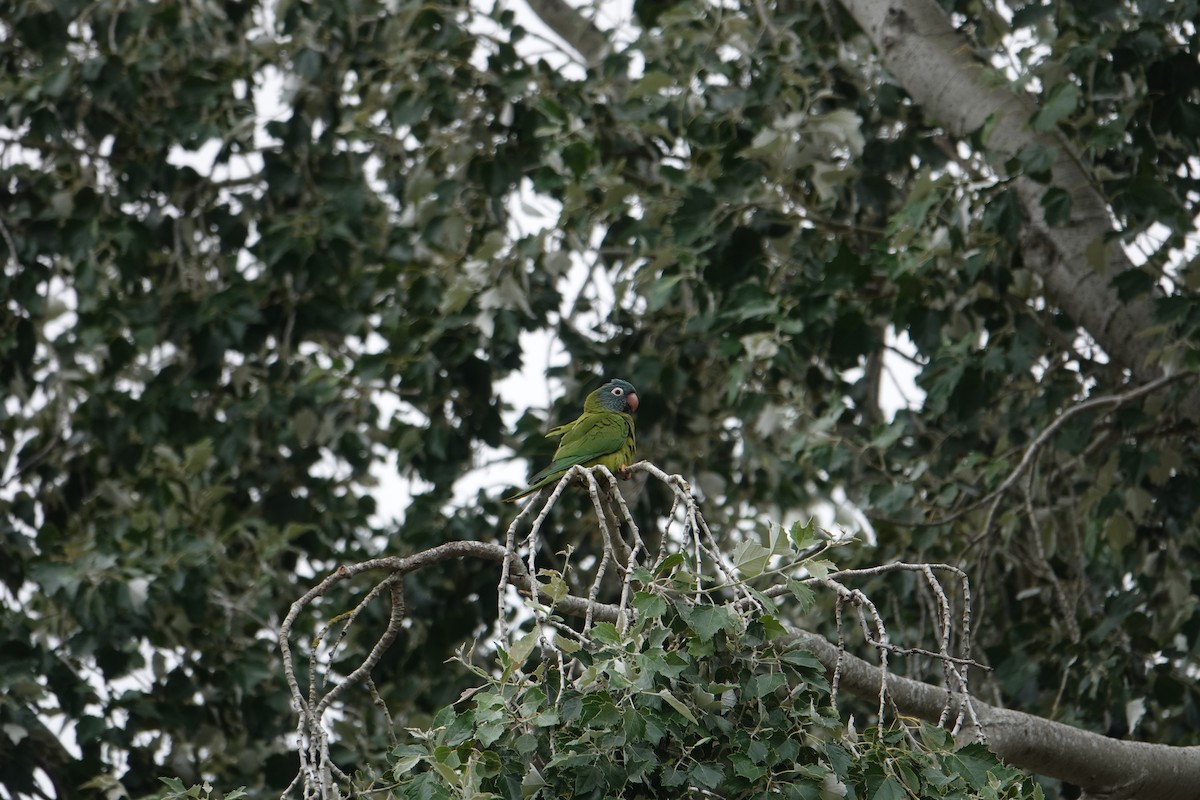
[616,395]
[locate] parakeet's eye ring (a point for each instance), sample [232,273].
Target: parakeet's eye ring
[617,391]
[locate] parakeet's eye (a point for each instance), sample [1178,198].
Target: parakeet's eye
[617,391]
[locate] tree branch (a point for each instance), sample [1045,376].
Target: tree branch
[572,27]
[1113,769]
[1031,451]
[1076,261]
[1107,769]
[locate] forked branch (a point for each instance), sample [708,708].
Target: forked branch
[1094,762]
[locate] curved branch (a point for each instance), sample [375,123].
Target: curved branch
[1114,769]
[1076,261]
[1031,451]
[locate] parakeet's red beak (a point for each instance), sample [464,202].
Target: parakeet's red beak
[632,399]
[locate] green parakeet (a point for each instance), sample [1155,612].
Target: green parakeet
[603,434]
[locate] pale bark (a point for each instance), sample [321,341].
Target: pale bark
[572,27]
[934,64]
[1105,768]
[1076,261]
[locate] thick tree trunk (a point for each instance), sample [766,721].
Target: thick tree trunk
[1076,261]
[933,62]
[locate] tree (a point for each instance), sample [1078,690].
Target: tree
[666,693]
[203,365]
[676,691]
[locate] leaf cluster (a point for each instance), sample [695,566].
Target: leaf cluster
[691,699]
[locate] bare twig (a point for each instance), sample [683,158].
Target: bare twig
[1031,451]
[317,772]
[319,778]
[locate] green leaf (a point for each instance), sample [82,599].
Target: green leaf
[606,633]
[198,458]
[532,782]
[890,789]
[774,628]
[1036,161]
[744,767]
[707,775]
[762,685]
[804,659]
[652,82]
[803,594]
[839,759]
[489,734]
[819,568]
[404,764]
[460,729]
[1056,205]
[1119,532]
[935,738]
[659,662]
[803,535]
[751,558]
[661,292]
[1132,283]
[707,621]
[546,719]
[668,564]
[521,649]
[175,785]
[650,606]
[973,763]
[552,583]
[526,744]
[1059,103]
[674,703]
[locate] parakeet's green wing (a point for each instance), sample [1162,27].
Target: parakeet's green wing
[561,429]
[591,437]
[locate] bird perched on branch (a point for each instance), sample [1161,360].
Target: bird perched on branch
[603,434]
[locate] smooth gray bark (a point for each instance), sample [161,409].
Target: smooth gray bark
[1105,768]
[572,27]
[934,64]
[1076,261]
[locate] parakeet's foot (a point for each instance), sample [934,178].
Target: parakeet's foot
[624,473]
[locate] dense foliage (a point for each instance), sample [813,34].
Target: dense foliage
[693,699]
[218,329]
